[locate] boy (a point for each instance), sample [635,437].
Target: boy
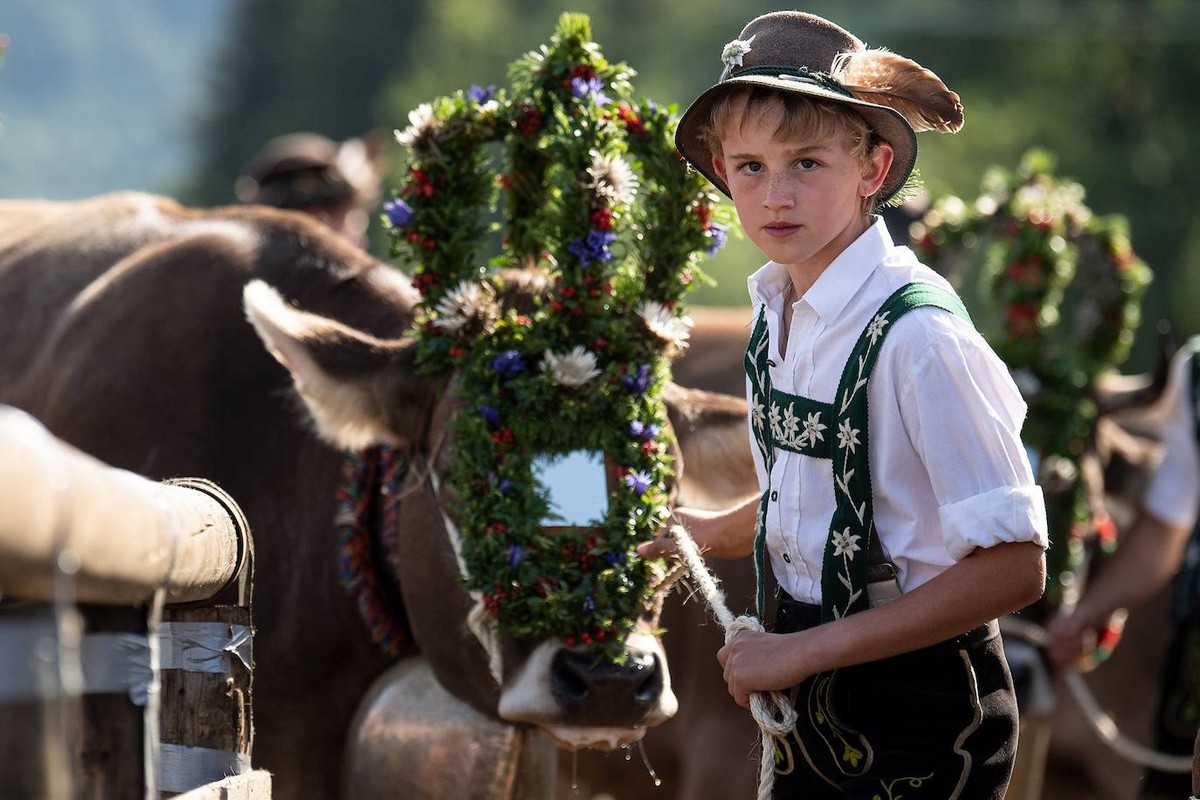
[889,585]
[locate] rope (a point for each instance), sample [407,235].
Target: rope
[1097,718]
[771,710]
[776,717]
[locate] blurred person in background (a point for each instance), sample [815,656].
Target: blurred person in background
[338,183]
[1162,547]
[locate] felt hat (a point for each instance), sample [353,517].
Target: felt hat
[799,53]
[294,171]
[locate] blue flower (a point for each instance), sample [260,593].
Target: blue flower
[399,213]
[594,247]
[481,94]
[638,384]
[638,481]
[594,87]
[617,557]
[504,485]
[490,415]
[717,234]
[508,364]
[516,554]
[640,430]
[589,604]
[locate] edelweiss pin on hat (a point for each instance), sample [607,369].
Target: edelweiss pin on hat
[799,53]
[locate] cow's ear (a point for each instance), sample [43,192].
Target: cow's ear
[713,434]
[359,390]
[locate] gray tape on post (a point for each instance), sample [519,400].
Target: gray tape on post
[181,768]
[204,646]
[114,662]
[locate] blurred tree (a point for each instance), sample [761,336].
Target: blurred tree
[1103,84]
[291,65]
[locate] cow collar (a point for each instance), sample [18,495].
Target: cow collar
[368,504]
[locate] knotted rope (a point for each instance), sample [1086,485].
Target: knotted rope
[771,710]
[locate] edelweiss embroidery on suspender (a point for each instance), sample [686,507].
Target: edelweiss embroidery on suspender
[798,424]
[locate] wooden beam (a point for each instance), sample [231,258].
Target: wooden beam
[118,535]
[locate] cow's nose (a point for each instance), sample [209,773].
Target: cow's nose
[594,691]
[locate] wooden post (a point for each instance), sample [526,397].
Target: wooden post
[78,697]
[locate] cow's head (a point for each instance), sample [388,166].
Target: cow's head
[541,367]
[362,390]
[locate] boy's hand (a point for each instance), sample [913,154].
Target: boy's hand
[719,534]
[760,662]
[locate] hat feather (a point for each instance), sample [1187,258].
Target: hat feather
[882,77]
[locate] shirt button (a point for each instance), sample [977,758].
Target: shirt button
[787,558]
[774,496]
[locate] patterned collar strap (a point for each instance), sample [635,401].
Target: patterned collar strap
[837,431]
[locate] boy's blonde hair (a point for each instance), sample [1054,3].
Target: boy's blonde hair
[797,116]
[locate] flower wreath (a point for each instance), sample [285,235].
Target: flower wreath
[1044,249]
[590,191]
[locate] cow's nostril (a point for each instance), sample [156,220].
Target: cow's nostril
[605,693]
[568,676]
[650,687]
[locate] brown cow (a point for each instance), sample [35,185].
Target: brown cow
[123,329]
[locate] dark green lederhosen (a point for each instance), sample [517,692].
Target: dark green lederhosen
[933,724]
[1177,716]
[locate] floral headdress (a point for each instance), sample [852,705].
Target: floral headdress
[1043,250]
[579,183]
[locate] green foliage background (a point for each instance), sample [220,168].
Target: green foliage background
[1106,85]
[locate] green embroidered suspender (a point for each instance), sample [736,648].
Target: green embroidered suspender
[837,431]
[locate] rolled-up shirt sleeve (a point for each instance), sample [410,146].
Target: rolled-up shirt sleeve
[1173,494]
[965,426]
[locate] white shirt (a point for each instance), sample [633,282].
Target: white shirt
[1174,491]
[949,472]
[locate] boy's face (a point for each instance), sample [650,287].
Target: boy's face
[800,199]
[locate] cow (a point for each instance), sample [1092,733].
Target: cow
[251,346]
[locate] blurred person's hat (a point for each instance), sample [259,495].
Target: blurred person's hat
[302,170]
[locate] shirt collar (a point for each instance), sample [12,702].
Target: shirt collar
[840,281]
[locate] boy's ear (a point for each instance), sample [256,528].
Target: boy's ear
[876,169]
[718,165]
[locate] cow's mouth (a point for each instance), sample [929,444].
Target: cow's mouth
[569,738]
[580,702]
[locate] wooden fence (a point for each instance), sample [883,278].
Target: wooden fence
[126,658]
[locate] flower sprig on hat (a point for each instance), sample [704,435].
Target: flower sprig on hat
[588,189]
[1041,244]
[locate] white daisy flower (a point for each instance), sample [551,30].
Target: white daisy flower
[875,329]
[813,427]
[464,303]
[844,544]
[732,55]
[421,123]
[663,323]
[775,417]
[758,414]
[612,178]
[790,423]
[572,369]
[847,436]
